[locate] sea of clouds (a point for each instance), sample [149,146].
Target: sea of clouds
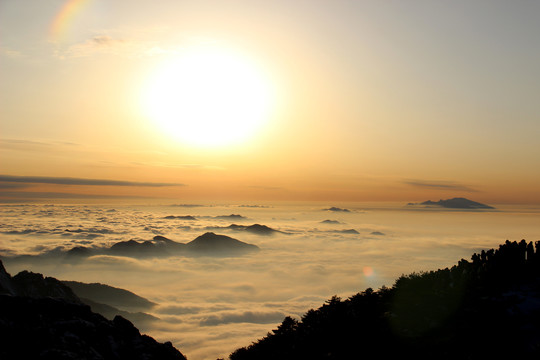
[207,305]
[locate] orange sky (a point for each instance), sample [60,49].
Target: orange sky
[365,101]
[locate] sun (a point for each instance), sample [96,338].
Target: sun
[209,97]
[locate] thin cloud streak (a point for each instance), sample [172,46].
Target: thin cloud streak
[17,144]
[79,181]
[33,195]
[439,185]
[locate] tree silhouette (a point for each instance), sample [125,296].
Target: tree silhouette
[474,309]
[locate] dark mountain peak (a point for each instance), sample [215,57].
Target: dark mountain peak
[211,242]
[162,240]
[36,285]
[110,295]
[337,209]
[41,318]
[126,243]
[48,328]
[330,222]
[348,231]
[180,217]
[261,229]
[457,203]
[6,285]
[209,235]
[147,248]
[79,251]
[254,229]
[231,217]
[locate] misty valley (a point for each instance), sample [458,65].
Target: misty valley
[215,278]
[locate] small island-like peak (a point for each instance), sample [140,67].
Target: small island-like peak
[456,203]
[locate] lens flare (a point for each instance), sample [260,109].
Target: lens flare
[368,271]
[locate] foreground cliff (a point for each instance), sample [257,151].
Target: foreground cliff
[41,318]
[486,308]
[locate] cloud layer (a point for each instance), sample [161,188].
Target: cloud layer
[79,181]
[439,185]
[208,306]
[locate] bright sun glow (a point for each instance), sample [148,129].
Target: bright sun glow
[209,97]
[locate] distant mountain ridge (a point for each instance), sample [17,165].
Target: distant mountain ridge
[456,203]
[214,243]
[109,295]
[29,284]
[42,318]
[254,229]
[210,244]
[103,299]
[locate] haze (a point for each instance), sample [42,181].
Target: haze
[122,120]
[370,100]
[210,305]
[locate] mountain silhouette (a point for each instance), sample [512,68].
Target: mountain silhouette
[160,246]
[347,231]
[336,209]
[330,222]
[254,229]
[230,217]
[486,308]
[181,217]
[105,294]
[42,318]
[139,318]
[34,285]
[149,248]
[456,203]
[103,299]
[213,243]
[6,283]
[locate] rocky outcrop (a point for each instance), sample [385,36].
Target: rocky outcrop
[6,285]
[42,318]
[48,328]
[37,286]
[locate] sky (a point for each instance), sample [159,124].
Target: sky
[269,100]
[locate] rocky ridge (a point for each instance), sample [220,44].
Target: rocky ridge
[41,318]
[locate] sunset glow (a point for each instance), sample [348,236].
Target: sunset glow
[208,97]
[237,163]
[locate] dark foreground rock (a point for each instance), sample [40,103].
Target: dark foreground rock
[41,318]
[48,328]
